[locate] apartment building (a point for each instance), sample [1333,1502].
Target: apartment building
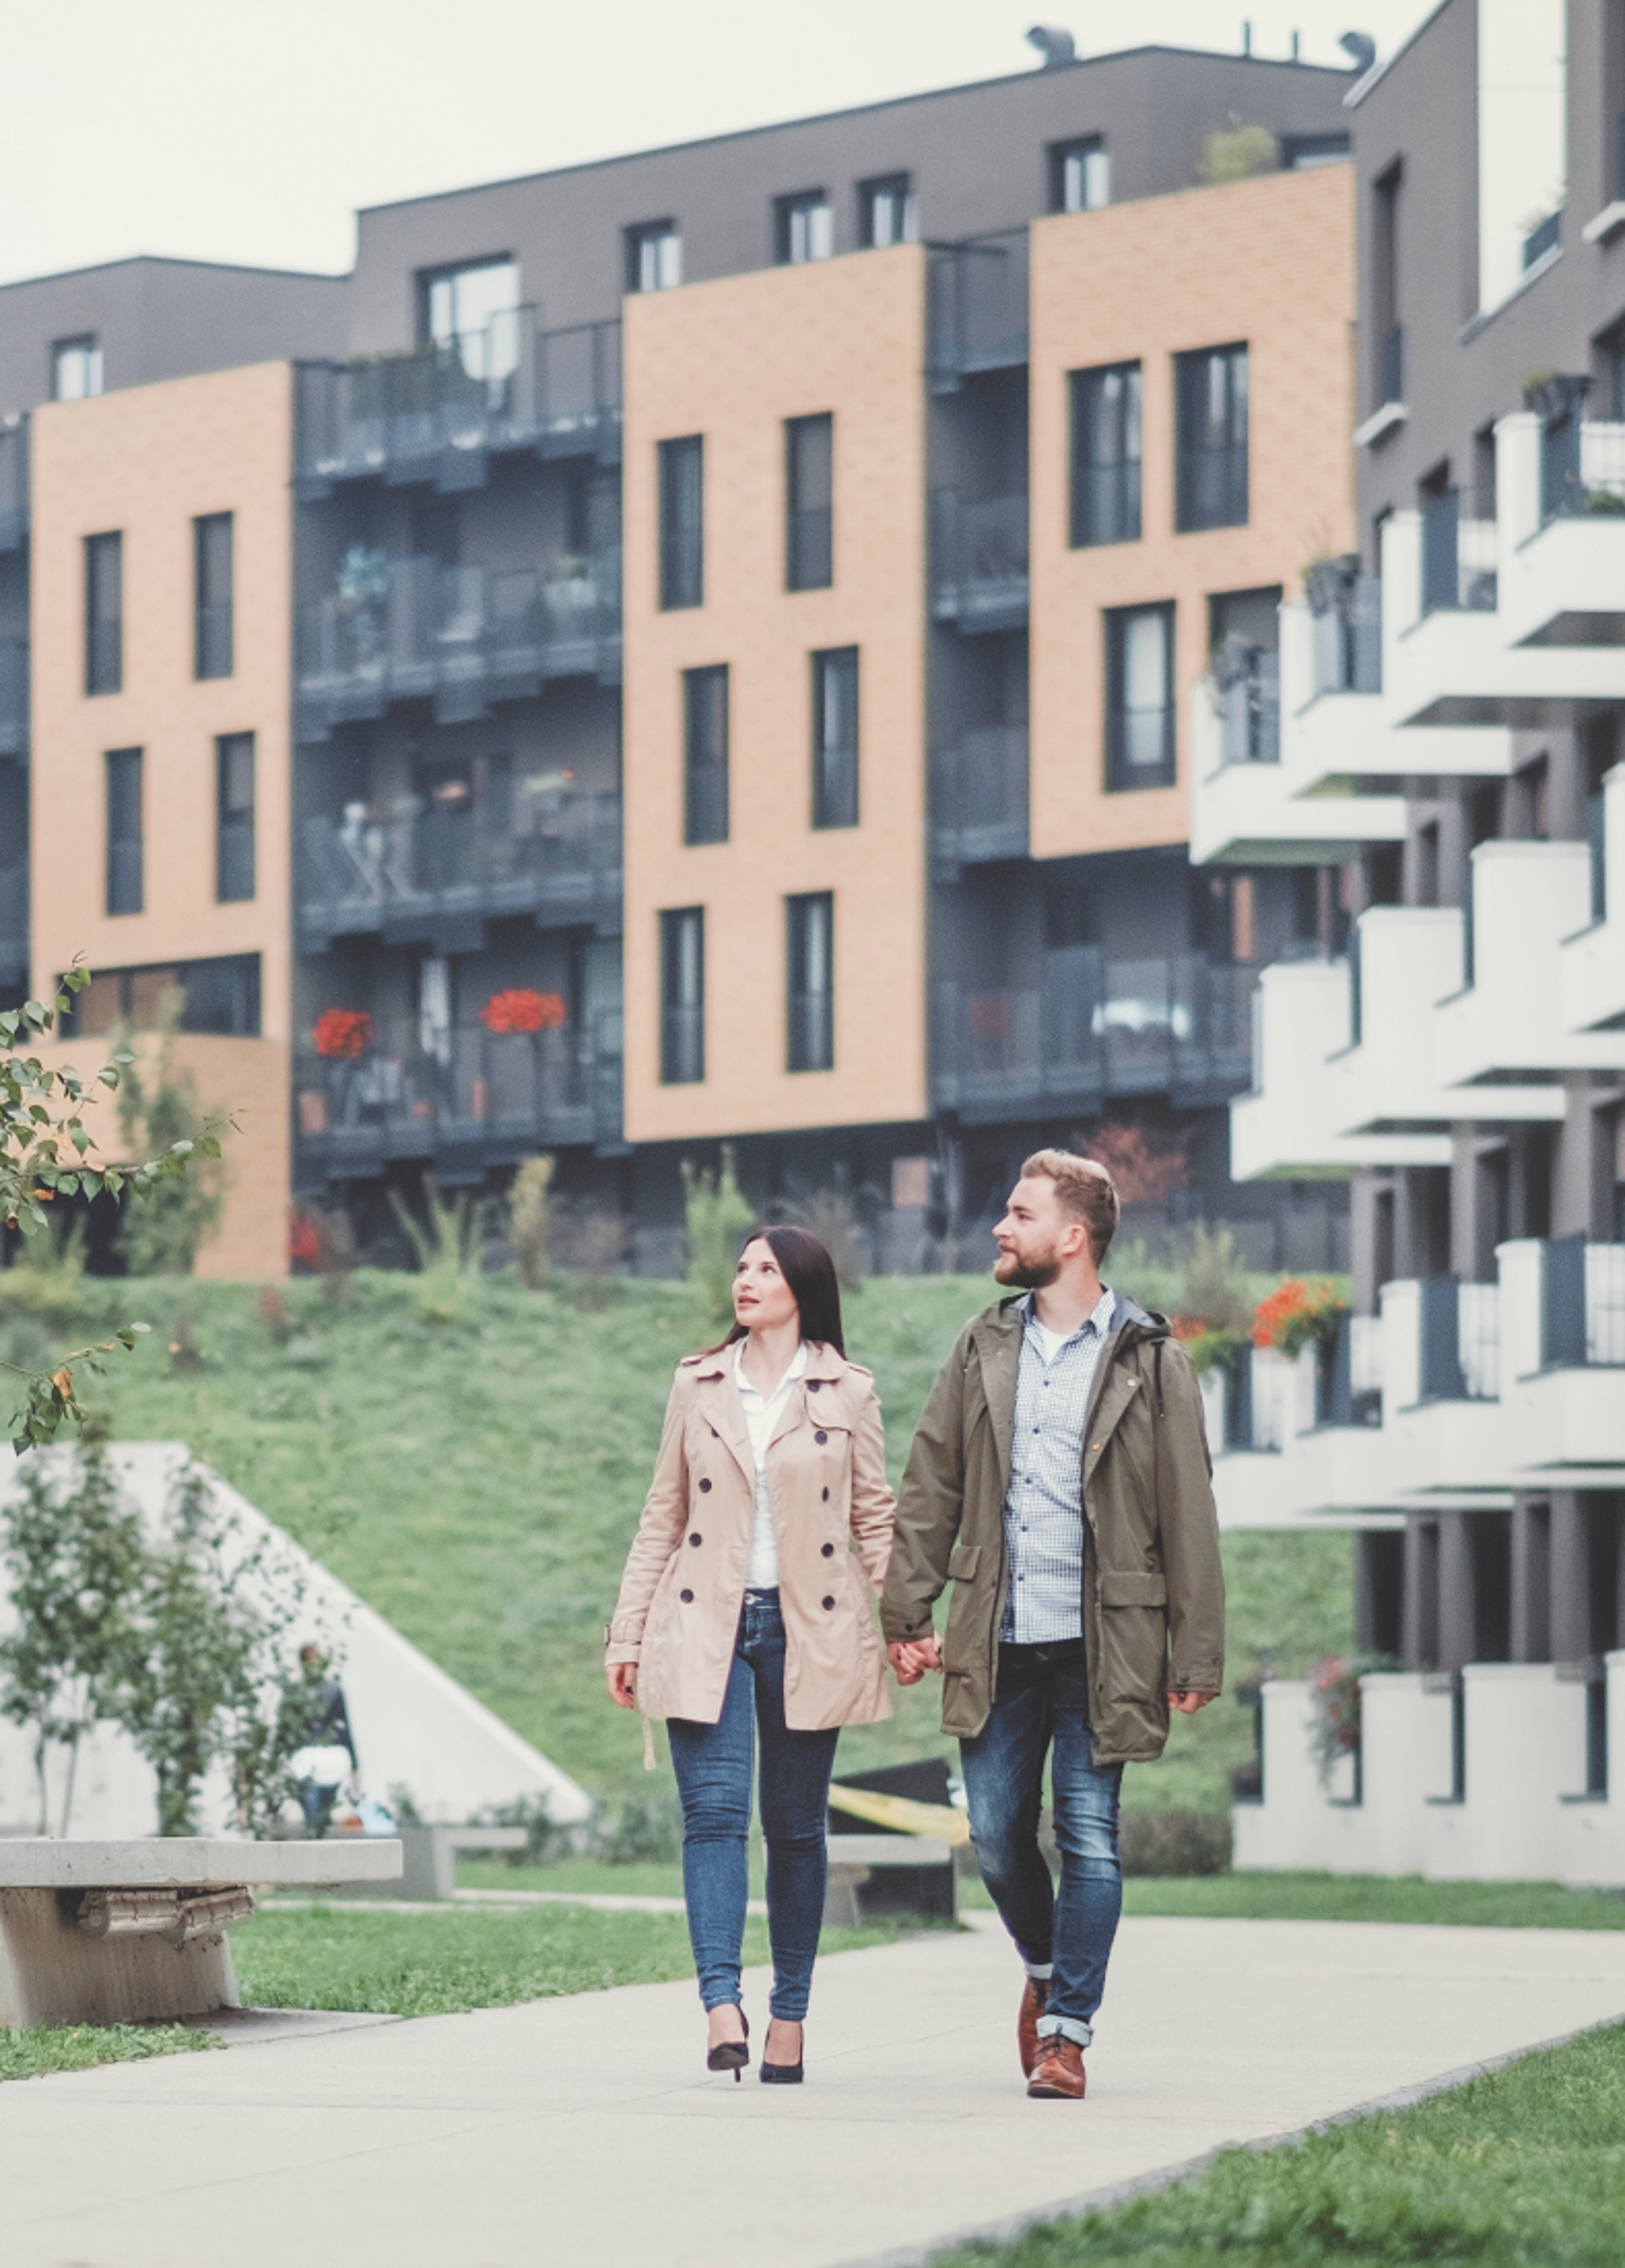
[737,603]
[1449,697]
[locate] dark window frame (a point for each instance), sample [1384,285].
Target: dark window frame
[1076,145]
[836,776]
[1124,776]
[124,785]
[899,187]
[809,1005]
[235,818]
[682,1018]
[85,343]
[810,526]
[681,484]
[645,234]
[785,211]
[213,616]
[446,271]
[705,701]
[1212,480]
[104,629]
[1107,498]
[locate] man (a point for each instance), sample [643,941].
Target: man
[326,1755]
[1060,1479]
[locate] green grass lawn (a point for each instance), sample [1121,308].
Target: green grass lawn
[478,1483]
[1525,2169]
[79,2047]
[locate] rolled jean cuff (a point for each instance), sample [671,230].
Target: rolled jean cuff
[1040,1971]
[1071,2028]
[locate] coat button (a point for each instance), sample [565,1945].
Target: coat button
[826,1496]
[829,1551]
[828,1604]
[813,1384]
[687,1597]
[695,1538]
[821,1439]
[704,1488]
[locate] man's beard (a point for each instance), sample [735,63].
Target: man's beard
[1026,1275]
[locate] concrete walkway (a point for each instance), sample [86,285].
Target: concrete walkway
[569,2131]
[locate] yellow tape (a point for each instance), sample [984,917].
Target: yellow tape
[942,1820]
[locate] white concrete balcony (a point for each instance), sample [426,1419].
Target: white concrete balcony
[1592,962]
[1561,493]
[1527,898]
[1501,1777]
[1563,1362]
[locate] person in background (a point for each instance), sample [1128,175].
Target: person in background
[745,1613]
[326,1755]
[1059,1478]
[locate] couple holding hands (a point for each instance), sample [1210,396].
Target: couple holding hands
[1059,1479]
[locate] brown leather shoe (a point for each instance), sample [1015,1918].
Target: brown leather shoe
[1058,2070]
[1034,1996]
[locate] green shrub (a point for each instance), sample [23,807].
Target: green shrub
[716,1215]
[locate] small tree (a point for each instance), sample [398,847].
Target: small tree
[158,1107]
[75,1557]
[530,1220]
[448,1253]
[716,1215]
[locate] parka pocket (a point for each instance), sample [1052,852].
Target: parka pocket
[1143,1587]
[1134,1635]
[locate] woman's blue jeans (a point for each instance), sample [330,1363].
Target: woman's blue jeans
[1042,1704]
[712,1764]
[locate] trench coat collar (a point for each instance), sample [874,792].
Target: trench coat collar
[717,1397]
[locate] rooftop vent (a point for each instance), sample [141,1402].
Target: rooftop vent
[1056,47]
[1361,49]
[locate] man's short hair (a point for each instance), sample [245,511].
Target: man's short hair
[1083,1189]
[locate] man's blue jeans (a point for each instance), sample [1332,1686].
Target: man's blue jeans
[713,1764]
[1042,1703]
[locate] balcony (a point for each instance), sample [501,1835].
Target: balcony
[1592,962]
[439,877]
[1499,1026]
[1243,686]
[461,637]
[1459,557]
[13,920]
[1346,617]
[979,562]
[481,1099]
[1093,1028]
[977,294]
[13,483]
[13,696]
[440,414]
[979,802]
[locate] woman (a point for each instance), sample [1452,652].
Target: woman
[743,1610]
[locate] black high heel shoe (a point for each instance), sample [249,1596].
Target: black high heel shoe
[784,2074]
[731,2055]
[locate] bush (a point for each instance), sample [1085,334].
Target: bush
[530,1220]
[832,1217]
[1175,1842]
[716,1215]
[647,1827]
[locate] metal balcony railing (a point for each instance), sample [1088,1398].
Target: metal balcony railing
[1345,624]
[1582,469]
[976,293]
[1458,567]
[1245,688]
[1093,1026]
[490,1094]
[13,696]
[1582,1304]
[432,413]
[464,635]
[979,789]
[13,482]
[1459,1354]
[13,921]
[359,875]
[978,561]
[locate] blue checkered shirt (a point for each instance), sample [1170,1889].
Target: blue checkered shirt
[1044,1509]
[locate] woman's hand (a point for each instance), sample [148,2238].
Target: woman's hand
[621,1677]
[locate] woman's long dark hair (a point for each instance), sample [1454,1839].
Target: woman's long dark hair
[807,1268]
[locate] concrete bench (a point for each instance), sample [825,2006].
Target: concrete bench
[134,1933]
[871,1875]
[429,1860]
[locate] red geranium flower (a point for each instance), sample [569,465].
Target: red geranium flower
[342,1033]
[304,1238]
[522,1010]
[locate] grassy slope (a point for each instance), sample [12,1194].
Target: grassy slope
[479,1483]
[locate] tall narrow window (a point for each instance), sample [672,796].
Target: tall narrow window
[886,212]
[682,525]
[810,497]
[1211,387]
[1080,175]
[211,577]
[1388,374]
[474,308]
[653,256]
[1139,698]
[233,806]
[124,876]
[810,1002]
[103,614]
[803,228]
[835,737]
[682,996]
[704,756]
[1105,454]
[76,368]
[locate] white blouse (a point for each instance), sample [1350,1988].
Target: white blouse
[762,1415]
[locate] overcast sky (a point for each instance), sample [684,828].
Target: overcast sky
[218,129]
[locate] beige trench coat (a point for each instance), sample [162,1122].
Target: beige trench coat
[681,1595]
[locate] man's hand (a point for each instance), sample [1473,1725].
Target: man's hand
[1188,1704]
[911,1658]
[621,1677]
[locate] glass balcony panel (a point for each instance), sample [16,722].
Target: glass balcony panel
[13,483]
[980,795]
[979,560]
[13,696]
[1604,1304]
[977,294]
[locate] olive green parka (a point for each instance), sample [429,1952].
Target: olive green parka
[1153,1602]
